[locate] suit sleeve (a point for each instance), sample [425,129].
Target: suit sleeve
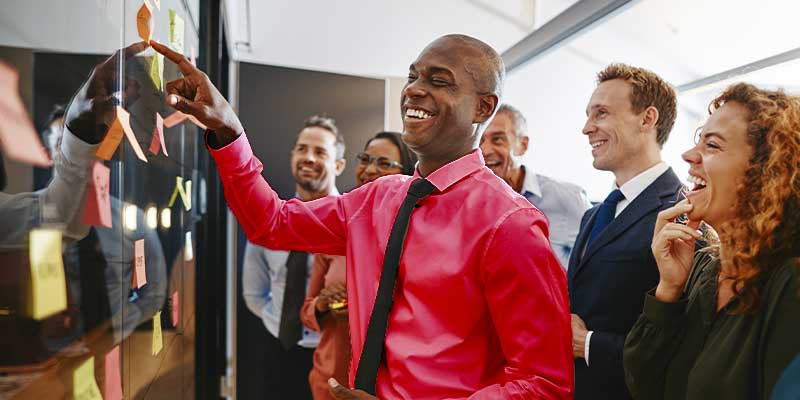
[317,226]
[525,289]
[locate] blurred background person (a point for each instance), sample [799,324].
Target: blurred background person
[384,154]
[503,144]
[723,321]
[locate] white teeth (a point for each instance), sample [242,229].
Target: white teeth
[419,114]
[696,180]
[597,144]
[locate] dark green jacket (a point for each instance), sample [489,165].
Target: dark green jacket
[688,350]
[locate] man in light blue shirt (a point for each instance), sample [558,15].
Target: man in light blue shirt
[502,143]
[274,282]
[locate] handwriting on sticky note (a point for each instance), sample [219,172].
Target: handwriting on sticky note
[158,338]
[185,191]
[18,138]
[144,21]
[48,284]
[158,137]
[113,381]
[84,386]
[139,263]
[176,31]
[176,307]
[97,211]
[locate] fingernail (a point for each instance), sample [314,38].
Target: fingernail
[332,382]
[173,99]
[699,232]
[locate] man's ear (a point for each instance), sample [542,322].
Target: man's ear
[650,118]
[340,164]
[487,104]
[522,146]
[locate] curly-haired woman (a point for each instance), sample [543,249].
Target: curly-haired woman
[723,321]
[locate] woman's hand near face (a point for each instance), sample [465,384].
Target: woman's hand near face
[333,293]
[673,248]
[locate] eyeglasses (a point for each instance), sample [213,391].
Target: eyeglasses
[383,164]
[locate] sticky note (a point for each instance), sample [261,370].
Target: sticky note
[175,309]
[185,193]
[48,284]
[139,271]
[97,211]
[84,386]
[121,126]
[177,117]
[176,31]
[113,381]
[188,249]
[143,21]
[157,71]
[157,3]
[158,338]
[18,138]
[158,137]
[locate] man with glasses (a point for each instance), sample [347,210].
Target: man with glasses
[274,282]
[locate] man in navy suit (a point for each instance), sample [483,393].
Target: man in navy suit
[629,117]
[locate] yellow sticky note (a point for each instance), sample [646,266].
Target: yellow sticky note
[158,339]
[176,31]
[84,386]
[185,193]
[48,285]
[157,71]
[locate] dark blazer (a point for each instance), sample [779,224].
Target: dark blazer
[607,284]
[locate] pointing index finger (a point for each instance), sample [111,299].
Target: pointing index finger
[185,66]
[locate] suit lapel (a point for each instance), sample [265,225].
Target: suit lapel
[654,197]
[580,242]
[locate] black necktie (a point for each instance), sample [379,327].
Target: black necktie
[372,353]
[293,297]
[605,214]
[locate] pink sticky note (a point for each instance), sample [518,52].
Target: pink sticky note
[175,309]
[138,260]
[97,211]
[125,120]
[174,119]
[158,137]
[113,385]
[18,138]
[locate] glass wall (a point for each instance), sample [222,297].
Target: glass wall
[100,202]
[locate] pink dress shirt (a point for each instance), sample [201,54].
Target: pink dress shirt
[480,308]
[332,356]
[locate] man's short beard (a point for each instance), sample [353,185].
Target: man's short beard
[313,186]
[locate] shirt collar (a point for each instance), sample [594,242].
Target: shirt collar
[334,192]
[530,183]
[634,187]
[455,170]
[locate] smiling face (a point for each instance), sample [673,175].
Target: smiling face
[500,144]
[619,143]
[445,98]
[717,164]
[314,163]
[378,148]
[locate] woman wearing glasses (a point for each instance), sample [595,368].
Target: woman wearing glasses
[723,321]
[325,308]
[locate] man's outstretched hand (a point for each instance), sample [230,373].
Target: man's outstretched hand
[194,94]
[340,392]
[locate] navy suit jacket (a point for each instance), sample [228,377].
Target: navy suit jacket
[608,282]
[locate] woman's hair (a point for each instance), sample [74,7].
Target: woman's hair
[407,157]
[766,230]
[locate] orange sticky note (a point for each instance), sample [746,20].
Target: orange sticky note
[174,119]
[97,211]
[158,338]
[158,137]
[120,126]
[125,120]
[18,138]
[113,384]
[175,309]
[139,272]
[143,21]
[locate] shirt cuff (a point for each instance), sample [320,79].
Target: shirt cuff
[661,313]
[233,154]
[586,347]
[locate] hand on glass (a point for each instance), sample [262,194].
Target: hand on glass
[91,111]
[333,293]
[194,94]
[579,332]
[673,248]
[340,392]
